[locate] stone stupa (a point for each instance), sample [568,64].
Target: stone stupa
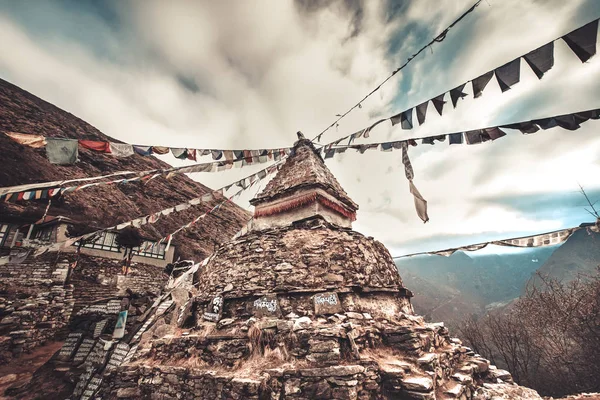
[303,307]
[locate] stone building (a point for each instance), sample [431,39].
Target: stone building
[18,234]
[300,307]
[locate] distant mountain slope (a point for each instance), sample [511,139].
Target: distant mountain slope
[438,302]
[580,254]
[450,288]
[23,112]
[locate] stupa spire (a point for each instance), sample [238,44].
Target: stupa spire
[303,188]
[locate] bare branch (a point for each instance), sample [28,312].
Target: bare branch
[595,213]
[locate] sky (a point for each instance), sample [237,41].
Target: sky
[232,74]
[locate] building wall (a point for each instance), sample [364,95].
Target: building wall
[119,256]
[61,235]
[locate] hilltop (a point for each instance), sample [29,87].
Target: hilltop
[21,111]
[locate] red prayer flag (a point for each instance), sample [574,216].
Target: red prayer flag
[102,147]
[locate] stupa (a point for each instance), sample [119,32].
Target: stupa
[302,307]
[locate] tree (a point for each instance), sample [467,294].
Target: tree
[549,338]
[128,238]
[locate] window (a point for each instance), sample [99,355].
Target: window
[4,230]
[106,241]
[153,251]
[44,234]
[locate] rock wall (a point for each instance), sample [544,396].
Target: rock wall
[309,256]
[35,306]
[98,279]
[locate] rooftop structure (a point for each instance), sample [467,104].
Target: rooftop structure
[304,187]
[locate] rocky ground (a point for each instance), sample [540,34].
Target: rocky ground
[19,373]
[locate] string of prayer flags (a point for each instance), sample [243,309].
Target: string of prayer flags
[154,217]
[439,38]
[567,121]
[169,237]
[57,184]
[28,192]
[62,151]
[538,240]
[581,41]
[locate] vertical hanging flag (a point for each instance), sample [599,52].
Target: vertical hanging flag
[119,331]
[457,93]
[480,83]
[421,112]
[583,40]
[438,103]
[508,74]
[541,60]
[408,169]
[420,202]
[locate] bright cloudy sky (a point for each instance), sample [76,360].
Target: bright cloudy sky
[235,74]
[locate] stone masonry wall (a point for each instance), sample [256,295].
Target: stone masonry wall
[34,306]
[97,279]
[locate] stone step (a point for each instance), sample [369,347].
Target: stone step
[452,390]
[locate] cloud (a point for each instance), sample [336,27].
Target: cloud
[230,74]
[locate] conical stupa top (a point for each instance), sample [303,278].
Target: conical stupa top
[304,182]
